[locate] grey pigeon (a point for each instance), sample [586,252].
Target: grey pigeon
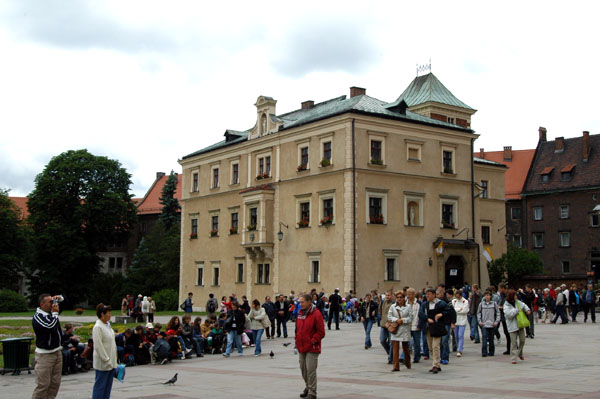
[271,355]
[172,380]
[287,344]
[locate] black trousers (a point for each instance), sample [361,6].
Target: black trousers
[589,308]
[271,330]
[506,334]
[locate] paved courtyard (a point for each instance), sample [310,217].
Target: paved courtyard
[561,362]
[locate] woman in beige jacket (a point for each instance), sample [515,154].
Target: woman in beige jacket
[105,353]
[257,315]
[401,314]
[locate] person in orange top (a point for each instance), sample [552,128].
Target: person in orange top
[310,330]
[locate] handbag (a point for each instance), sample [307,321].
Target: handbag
[266,322]
[522,319]
[392,327]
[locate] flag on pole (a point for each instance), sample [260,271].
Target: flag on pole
[487,254]
[440,248]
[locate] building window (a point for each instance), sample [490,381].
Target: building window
[235,173]
[200,273]
[413,211]
[376,206]
[216,274]
[240,273]
[450,120]
[326,208]
[517,240]
[302,158]
[390,270]
[565,176]
[537,213]
[215,177]
[304,214]
[253,223]
[566,266]
[595,220]
[375,213]
[214,225]
[545,178]
[264,167]
[234,223]
[449,214]
[376,152]
[484,189]
[448,160]
[538,240]
[262,273]
[413,151]
[195,182]
[515,213]
[485,234]
[565,239]
[194,229]
[326,159]
[314,272]
[564,211]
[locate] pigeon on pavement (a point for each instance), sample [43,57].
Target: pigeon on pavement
[271,355]
[172,380]
[286,344]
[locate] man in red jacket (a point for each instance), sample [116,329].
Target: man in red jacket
[310,330]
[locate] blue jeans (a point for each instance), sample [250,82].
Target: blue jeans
[474,327]
[199,344]
[231,336]
[368,324]
[281,322]
[384,340]
[103,384]
[459,332]
[416,337]
[445,346]
[256,336]
[488,340]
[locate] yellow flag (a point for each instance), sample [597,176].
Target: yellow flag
[487,254]
[440,248]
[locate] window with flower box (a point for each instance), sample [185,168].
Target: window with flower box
[214,225]
[449,213]
[194,228]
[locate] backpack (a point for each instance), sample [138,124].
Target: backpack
[210,306]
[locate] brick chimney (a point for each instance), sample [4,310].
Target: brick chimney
[308,104]
[559,144]
[159,175]
[542,131]
[508,153]
[357,91]
[586,146]
[481,153]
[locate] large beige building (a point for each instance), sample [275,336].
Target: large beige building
[353,192]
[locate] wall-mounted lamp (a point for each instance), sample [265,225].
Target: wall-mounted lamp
[430,261]
[280,234]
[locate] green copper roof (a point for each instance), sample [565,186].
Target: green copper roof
[428,88]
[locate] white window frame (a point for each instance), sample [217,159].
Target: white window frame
[325,195]
[485,190]
[489,226]
[391,254]
[414,145]
[541,213]
[200,266]
[597,224]
[322,141]
[237,262]
[211,213]
[562,266]
[520,242]
[313,256]
[262,275]
[212,177]
[377,137]
[564,239]
[376,193]
[231,164]
[232,210]
[564,211]
[418,198]
[301,146]
[451,149]
[454,203]
[301,199]
[215,265]
[535,243]
[264,155]
[195,173]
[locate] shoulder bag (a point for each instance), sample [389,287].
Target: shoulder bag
[522,319]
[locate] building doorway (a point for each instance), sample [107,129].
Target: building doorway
[455,272]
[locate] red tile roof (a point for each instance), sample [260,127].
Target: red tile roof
[547,170]
[21,202]
[150,204]
[518,166]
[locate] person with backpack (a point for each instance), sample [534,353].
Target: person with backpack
[488,316]
[188,304]
[211,307]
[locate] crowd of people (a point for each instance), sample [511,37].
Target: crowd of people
[428,324]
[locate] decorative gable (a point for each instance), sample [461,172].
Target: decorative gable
[266,119]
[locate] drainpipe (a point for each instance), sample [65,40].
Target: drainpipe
[473,212]
[353,207]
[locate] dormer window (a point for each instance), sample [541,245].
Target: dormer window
[566,172]
[546,173]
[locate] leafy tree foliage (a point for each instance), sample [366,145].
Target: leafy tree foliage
[11,301]
[107,288]
[80,203]
[14,243]
[166,299]
[169,215]
[513,265]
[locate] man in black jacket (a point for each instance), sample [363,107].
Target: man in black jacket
[270,311]
[432,313]
[48,351]
[335,304]
[236,320]
[281,314]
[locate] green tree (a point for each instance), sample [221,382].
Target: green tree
[80,203]
[514,265]
[14,243]
[170,213]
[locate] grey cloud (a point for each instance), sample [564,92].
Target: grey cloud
[325,45]
[78,25]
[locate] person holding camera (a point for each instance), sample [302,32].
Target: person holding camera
[48,351]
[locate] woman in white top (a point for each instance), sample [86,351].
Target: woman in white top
[257,315]
[145,308]
[461,307]
[105,353]
[511,308]
[401,314]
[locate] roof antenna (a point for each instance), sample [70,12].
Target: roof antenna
[423,68]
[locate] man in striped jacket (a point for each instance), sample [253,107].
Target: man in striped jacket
[48,354]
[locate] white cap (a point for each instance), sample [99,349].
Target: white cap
[149,325]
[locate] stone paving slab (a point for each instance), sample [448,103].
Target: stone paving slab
[561,362]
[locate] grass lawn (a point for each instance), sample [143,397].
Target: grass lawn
[89,312]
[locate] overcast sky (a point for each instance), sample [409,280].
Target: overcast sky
[147,82]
